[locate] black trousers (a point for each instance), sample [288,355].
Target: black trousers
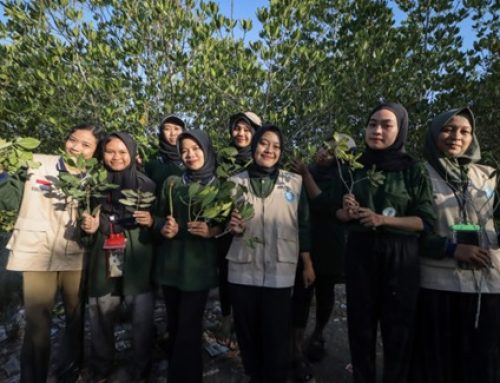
[382,286]
[324,290]
[223,245]
[448,347]
[184,323]
[262,324]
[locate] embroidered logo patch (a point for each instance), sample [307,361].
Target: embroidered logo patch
[389,212]
[42,185]
[289,196]
[489,192]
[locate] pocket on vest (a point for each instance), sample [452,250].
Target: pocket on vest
[239,251]
[287,245]
[29,236]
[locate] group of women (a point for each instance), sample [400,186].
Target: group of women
[421,253]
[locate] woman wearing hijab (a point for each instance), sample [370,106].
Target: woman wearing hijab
[186,258]
[384,223]
[242,127]
[107,291]
[45,246]
[168,162]
[458,337]
[327,253]
[263,258]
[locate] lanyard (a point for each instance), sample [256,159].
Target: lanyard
[461,197]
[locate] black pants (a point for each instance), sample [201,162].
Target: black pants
[382,285]
[184,321]
[262,324]
[103,314]
[324,289]
[448,347]
[223,245]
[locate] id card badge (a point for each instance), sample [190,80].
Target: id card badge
[466,234]
[114,251]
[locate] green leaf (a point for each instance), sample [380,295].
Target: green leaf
[194,187]
[129,193]
[28,143]
[127,202]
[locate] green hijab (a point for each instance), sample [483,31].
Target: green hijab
[452,169]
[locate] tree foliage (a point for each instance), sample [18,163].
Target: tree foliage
[317,66]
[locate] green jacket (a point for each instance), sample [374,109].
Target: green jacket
[136,270]
[187,262]
[138,262]
[406,193]
[159,171]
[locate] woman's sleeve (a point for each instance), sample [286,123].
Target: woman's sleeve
[304,220]
[159,211]
[435,246]
[422,197]
[432,245]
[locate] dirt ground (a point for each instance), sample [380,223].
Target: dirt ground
[223,368]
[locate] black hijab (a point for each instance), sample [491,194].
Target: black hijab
[253,121]
[167,151]
[128,178]
[207,172]
[258,171]
[394,158]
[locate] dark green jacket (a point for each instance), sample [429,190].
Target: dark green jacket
[408,192]
[136,277]
[137,268]
[187,262]
[159,171]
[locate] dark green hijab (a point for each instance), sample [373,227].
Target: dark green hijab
[452,169]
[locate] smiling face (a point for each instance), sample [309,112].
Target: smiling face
[192,154]
[268,150]
[382,130]
[242,134]
[81,141]
[116,155]
[455,136]
[170,132]
[324,157]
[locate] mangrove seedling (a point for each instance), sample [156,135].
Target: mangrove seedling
[137,200]
[89,181]
[228,166]
[339,148]
[17,154]
[172,182]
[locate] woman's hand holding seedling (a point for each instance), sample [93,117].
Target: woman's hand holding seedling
[143,218]
[200,229]
[171,228]
[236,224]
[89,224]
[350,208]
